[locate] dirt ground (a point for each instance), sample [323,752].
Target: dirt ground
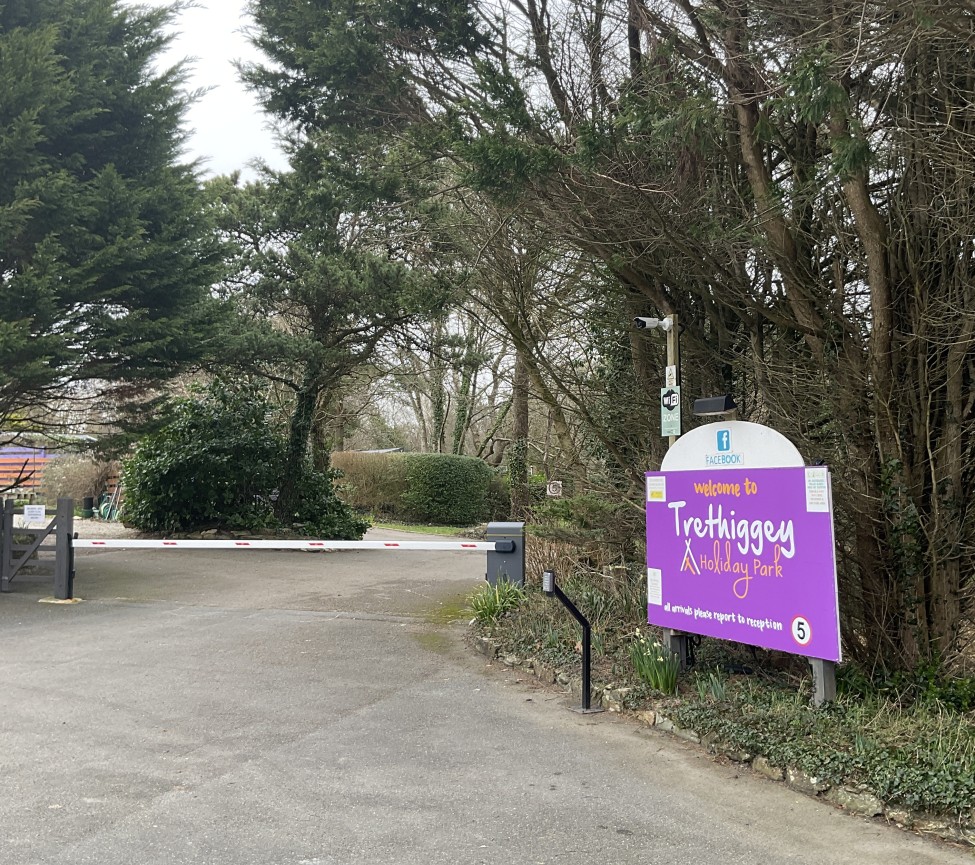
[95,528]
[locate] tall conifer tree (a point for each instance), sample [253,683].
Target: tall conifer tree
[106,257]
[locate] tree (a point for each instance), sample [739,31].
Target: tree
[864,328]
[106,256]
[794,183]
[319,288]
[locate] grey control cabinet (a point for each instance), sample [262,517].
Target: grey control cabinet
[507,561]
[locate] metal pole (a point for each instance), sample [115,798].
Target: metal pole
[673,359]
[63,560]
[676,641]
[6,545]
[550,588]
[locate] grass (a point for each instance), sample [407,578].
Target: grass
[449,531]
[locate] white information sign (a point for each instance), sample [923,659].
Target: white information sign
[817,489]
[553,489]
[34,514]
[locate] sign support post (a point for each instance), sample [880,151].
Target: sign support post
[824,681]
[676,642]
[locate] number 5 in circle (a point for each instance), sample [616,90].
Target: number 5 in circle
[801,631]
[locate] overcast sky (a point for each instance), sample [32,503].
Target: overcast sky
[228,127]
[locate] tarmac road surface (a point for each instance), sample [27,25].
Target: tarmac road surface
[260,708]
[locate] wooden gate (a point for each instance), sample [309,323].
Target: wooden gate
[18,545]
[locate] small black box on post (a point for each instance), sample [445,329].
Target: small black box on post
[507,560]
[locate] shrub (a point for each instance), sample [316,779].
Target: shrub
[588,516]
[498,499]
[446,489]
[322,513]
[213,465]
[74,476]
[426,488]
[373,483]
[490,603]
[217,464]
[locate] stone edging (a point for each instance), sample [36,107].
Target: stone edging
[855,801]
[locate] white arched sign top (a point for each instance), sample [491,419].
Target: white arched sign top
[731,445]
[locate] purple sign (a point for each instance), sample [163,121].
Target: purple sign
[745,556]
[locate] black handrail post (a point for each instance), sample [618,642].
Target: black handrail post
[549,587]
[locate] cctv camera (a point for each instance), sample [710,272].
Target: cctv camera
[664,324]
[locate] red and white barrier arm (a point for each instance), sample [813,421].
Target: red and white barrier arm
[141,544]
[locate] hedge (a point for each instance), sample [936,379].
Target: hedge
[445,489]
[425,488]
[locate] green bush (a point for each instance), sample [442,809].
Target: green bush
[498,499]
[321,513]
[217,464]
[213,465]
[446,489]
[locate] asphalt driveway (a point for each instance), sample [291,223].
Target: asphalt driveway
[262,708]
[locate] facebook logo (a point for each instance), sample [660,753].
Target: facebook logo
[724,440]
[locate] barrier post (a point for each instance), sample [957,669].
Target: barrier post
[6,545]
[63,550]
[507,560]
[550,587]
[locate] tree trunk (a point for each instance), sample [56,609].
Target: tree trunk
[518,450]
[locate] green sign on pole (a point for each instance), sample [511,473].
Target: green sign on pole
[670,411]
